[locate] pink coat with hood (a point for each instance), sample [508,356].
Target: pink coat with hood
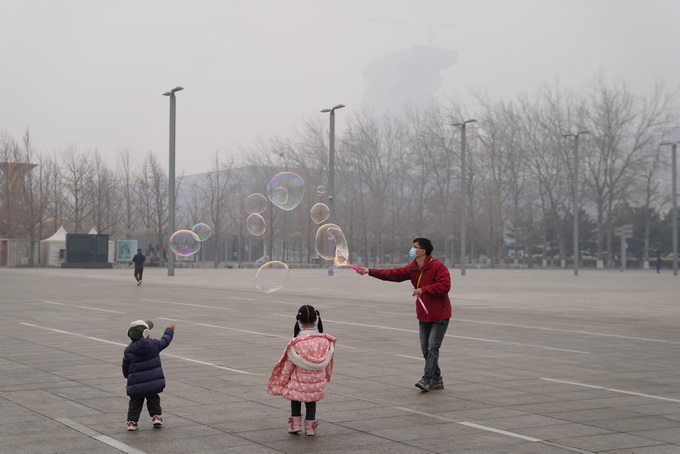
[304,368]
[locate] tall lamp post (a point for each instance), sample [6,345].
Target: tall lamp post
[574,193]
[463,194]
[171,172]
[674,146]
[331,160]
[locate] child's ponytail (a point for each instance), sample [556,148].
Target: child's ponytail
[307,314]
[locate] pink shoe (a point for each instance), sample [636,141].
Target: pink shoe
[295,424]
[310,426]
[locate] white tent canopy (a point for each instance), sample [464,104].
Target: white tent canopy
[49,248]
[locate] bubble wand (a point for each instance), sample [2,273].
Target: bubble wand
[421,303]
[340,258]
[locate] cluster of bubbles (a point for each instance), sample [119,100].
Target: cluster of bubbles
[285,190]
[255,204]
[186,243]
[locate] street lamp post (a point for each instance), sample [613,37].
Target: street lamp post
[574,193]
[674,146]
[331,160]
[171,172]
[463,194]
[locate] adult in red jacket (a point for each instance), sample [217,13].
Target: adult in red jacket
[431,284]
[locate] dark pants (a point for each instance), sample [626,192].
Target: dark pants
[431,337]
[310,409]
[153,404]
[138,273]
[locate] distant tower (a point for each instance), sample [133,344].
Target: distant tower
[14,214]
[410,76]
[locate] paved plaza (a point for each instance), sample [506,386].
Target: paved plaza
[535,361]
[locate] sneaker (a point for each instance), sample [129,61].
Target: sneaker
[139,282]
[132,425]
[423,384]
[157,421]
[436,385]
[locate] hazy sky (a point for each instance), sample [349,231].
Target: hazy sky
[91,74]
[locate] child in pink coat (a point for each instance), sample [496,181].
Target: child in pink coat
[303,370]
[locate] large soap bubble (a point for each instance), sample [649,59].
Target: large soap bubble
[255,203]
[271,276]
[202,230]
[285,190]
[185,243]
[331,244]
[256,224]
[319,213]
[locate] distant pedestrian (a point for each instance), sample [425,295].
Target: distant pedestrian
[658,263]
[303,370]
[139,260]
[144,373]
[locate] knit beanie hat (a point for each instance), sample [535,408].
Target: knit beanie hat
[139,329]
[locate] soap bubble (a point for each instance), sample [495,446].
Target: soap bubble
[256,224]
[185,243]
[271,276]
[320,190]
[330,244]
[255,203]
[285,190]
[202,230]
[319,213]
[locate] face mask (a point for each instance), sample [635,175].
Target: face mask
[412,253]
[301,326]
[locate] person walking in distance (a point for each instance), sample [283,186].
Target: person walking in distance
[139,260]
[431,284]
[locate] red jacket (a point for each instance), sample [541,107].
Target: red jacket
[434,280]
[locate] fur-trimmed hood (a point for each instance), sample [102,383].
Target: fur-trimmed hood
[314,355]
[304,368]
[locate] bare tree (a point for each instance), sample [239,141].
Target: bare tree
[215,188]
[36,193]
[622,127]
[78,201]
[153,193]
[105,203]
[126,174]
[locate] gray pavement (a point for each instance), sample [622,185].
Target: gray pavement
[535,361]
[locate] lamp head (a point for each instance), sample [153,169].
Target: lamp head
[173,91]
[463,123]
[339,106]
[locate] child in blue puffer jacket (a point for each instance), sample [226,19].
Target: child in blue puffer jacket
[144,373]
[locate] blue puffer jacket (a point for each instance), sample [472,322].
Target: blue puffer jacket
[142,365]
